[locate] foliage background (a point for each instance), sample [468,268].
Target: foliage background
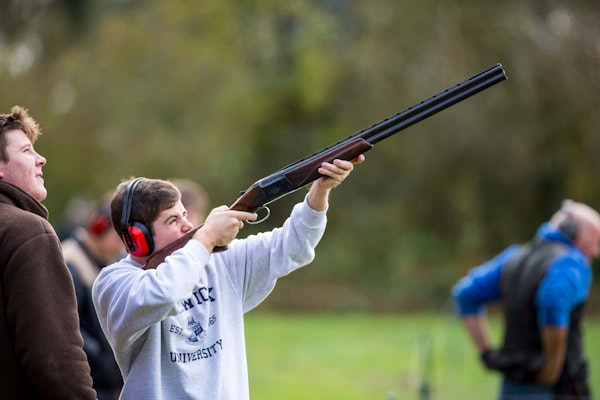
[227,92]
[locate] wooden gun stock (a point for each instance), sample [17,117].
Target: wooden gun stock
[159,256]
[305,171]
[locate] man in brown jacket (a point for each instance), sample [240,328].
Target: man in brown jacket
[41,348]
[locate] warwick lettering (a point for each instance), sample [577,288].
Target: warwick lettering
[202,295]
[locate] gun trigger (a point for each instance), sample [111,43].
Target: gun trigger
[259,220]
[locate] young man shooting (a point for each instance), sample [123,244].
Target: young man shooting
[177,331]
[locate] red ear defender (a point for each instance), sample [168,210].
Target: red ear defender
[136,236]
[99,225]
[141,238]
[101,221]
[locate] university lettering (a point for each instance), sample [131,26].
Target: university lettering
[200,354]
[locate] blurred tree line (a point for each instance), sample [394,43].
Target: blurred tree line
[227,92]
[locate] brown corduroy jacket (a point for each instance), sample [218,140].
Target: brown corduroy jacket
[41,348]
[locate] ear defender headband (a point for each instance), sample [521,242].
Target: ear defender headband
[136,236]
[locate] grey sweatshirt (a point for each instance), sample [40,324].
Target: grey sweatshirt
[178,330]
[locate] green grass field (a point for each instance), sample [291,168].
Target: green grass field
[378,357]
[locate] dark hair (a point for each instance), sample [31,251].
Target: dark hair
[150,198]
[17,119]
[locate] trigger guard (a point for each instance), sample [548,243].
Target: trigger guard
[258,221]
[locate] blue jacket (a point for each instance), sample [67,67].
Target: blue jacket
[565,286]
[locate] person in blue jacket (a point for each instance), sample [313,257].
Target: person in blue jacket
[542,286]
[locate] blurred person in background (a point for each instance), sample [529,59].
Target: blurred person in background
[194,198]
[89,249]
[543,286]
[41,348]
[76,213]
[178,330]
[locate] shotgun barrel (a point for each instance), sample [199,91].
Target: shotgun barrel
[300,173]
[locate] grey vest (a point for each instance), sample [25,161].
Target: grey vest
[522,342]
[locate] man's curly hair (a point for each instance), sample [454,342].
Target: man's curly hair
[17,119]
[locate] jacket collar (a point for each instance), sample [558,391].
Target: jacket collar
[15,196]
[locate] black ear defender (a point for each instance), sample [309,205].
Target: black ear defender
[136,236]
[569,225]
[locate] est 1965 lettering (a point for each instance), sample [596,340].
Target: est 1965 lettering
[176,329]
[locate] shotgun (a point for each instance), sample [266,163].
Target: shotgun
[300,173]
